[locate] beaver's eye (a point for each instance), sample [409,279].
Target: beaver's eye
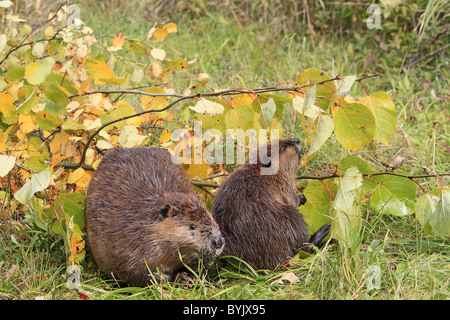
[192,226]
[283,148]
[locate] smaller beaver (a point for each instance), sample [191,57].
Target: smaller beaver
[142,214]
[257,213]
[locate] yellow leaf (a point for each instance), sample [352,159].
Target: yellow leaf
[170,27]
[242,98]
[75,176]
[83,182]
[99,70]
[84,85]
[62,145]
[114,80]
[181,64]
[35,73]
[160,34]
[166,135]
[154,70]
[118,40]
[49,31]
[149,102]
[159,54]
[26,122]
[199,170]
[7,108]
[72,106]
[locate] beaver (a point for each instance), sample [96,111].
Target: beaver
[257,213]
[142,214]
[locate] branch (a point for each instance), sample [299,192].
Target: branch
[182,97]
[331,176]
[217,93]
[374,174]
[428,55]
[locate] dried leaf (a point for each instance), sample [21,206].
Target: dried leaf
[118,40]
[288,276]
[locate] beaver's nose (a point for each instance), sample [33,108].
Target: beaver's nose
[218,242]
[294,140]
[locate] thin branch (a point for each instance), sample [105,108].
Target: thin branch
[374,174]
[310,177]
[217,93]
[428,55]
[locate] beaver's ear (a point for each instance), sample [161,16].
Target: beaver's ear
[265,161]
[164,211]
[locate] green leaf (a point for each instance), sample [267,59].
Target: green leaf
[35,73]
[280,101]
[46,121]
[385,115]
[99,70]
[267,113]
[72,204]
[394,195]
[440,219]
[425,208]
[363,167]
[37,182]
[354,126]
[241,117]
[354,161]
[35,163]
[15,73]
[318,202]
[123,110]
[56,95]
[212,122]
[324,130]
[310,76]
[344,85]
[27,100]
[347,221]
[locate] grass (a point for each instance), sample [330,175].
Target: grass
[411,264]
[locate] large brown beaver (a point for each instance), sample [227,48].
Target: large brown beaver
[142,214]
[257,213]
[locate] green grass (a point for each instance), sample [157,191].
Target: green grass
[412,265]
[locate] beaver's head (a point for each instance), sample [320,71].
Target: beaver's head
[281,155]
[187,227]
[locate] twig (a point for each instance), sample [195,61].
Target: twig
[309,177]
[22,44]
[218,93]
[429,55]
[374,174]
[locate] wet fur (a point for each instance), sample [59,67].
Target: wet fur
[258,213]
[129,231]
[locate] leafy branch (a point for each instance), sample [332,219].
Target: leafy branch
[192,96]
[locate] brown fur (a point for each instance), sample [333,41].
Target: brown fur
[129,224]
[258,213]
